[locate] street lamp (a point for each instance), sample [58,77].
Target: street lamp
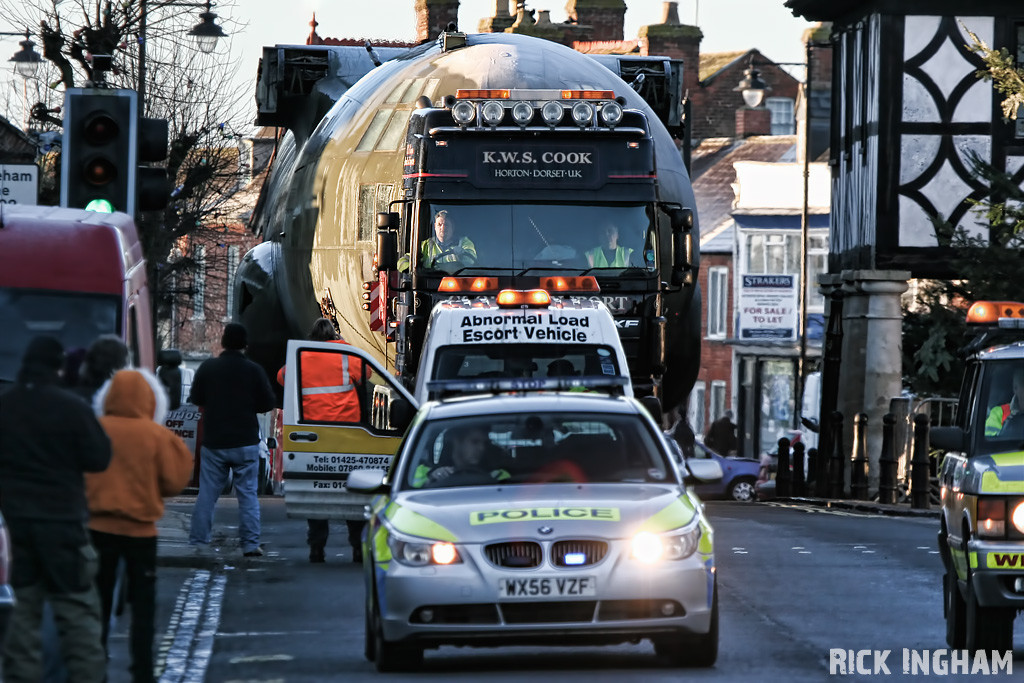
[752,87]
[207,31]
[26,60]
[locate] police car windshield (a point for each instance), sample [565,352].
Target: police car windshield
[565,238]
[501,360]
[493,450]
[1000,407]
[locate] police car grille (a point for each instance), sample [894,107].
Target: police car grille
[514,554]
[592,552]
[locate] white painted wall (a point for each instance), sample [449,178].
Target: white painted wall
[762,185]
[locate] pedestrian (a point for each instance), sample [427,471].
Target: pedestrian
[721,436]
[105,356]
[149,463]
[48,439]
[344,374]
[231,390]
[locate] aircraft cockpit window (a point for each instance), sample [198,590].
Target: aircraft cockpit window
[372,134]
[394,135]
[413,91]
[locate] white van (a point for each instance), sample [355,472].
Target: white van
[520,335]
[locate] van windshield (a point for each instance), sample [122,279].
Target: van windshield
[1000,409]
[74,319]
[486,361]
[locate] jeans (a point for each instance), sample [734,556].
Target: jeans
[53,562]
[140,563]
[213,476]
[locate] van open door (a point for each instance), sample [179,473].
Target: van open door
[321,445]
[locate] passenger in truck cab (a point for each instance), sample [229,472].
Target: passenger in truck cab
[445,247]
[1000,415]
[609,254]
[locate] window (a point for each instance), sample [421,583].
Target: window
[695,410]
[773,253]
[372,134]
[373,199]
[232,267]
[783,117]
[817,263]
[718,302]
[717,400]
[199,285]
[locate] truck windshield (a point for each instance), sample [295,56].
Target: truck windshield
[483,361]
[497,450]
[536,236]
[75,319]
[1000,407]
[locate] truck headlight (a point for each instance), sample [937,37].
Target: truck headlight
[611,113]
[674,545]
[552,113]
[492,113]
[463,112]
[422,552]
[522,113]
[582,114]
[1018,517]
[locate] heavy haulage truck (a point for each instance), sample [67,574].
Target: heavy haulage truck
[540,162]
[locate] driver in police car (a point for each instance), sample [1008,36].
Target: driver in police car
[443,247]
[468,447]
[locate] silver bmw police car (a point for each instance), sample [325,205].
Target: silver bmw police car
[544,519]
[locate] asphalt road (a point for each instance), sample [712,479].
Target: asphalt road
[794,583]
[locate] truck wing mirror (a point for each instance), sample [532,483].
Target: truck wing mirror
[387,250]
[681,219]
[682,258]
[400,414]
[388,220]
[948,439]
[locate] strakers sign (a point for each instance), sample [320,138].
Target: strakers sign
[548,166]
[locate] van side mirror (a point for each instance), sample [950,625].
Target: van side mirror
[653,406]
[387,250]
[948,439]
[400,414]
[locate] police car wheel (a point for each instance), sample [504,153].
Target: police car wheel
[988,628]
[701,651]
[392,657]
[956,612]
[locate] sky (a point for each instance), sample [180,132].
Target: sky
[727,24]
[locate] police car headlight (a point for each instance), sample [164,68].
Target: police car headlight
[420,553]
[522,113]
[674,545]
[463,112]
[1018,517]
[582,114]
[552,113]
[611,113]
[492,113]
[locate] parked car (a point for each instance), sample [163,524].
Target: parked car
[739,474]
[6,594]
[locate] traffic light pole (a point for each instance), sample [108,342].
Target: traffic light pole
[143,10]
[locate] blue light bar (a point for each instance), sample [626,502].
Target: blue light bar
[573,559]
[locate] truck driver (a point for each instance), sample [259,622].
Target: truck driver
[609,254]
[444,247]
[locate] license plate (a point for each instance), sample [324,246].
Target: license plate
[548,587]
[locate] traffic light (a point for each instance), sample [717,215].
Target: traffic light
[99,154]
[153,190]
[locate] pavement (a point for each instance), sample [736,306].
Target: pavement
[865,506]
[796,580]
[173,549]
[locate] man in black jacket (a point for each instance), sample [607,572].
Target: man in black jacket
[231,390]
[48,439]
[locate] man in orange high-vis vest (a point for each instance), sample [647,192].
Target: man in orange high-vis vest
[330,393]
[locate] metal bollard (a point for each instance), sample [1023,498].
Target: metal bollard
[887,461]
[837,464]
[813,470]
[920,466]
[784,478]
[798,469]
[859,473]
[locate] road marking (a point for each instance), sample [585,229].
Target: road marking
[261,658]
[258,680]
[924,547]
[805,552]
[189,642]
[867,552]
[797,547]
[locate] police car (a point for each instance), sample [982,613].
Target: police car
[981,540]
[541,519]
[520,334]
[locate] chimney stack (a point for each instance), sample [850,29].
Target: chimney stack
[606,17]
[433,16]
[753,122]
[672,39]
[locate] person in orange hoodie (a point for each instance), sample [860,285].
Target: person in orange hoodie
[149,463]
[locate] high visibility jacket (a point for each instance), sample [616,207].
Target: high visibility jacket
[431,250]
[329,386]
[996,418]
[422,474]
[621,259]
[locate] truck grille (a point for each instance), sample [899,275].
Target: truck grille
[514,554]
[570,553]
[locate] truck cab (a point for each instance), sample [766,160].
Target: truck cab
[519,334]
[981,540]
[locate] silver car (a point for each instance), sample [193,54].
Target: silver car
[536,519]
